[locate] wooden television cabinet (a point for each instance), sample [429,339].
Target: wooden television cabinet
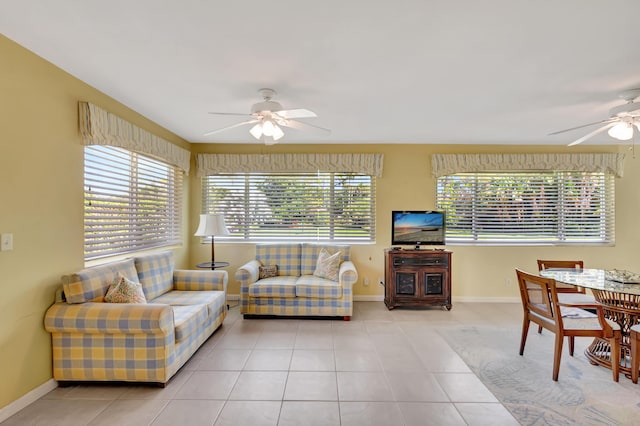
[417,278]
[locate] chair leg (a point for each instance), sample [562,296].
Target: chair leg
[525,331]
[635,356]
[614,342]
[557,355]
[572,344]
[539,329]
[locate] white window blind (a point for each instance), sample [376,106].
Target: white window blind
[286,206]
[528,207]
[131,202]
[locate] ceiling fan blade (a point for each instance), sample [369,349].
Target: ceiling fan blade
[302,126]
[231,127]
[232,113]
[295,113]
[590,135]
[608,120]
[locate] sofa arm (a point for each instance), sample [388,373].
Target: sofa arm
[100,318]
[191,280]
[348,275]
[248,273]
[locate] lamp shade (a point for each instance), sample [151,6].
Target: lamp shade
[211,225]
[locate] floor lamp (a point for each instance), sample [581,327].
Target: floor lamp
[212,225]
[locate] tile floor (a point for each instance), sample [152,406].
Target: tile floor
[382,368]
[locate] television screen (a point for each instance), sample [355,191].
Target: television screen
[417,228]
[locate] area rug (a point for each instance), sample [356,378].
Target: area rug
[584,394]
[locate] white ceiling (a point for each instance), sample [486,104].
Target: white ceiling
[407,71]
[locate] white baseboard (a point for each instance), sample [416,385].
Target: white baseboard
[363,298]
[465,299]
[380,298]
[28,398]
[487,299]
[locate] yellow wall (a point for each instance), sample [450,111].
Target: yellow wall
[41,192]
[478,272]
[41,197]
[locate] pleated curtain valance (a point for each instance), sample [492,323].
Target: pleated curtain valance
[449,164]
[100,127]
[368,164]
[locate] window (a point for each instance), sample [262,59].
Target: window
[131,202]
[528,207]
[303,206]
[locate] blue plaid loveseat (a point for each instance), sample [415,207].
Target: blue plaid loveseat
[295,291]
[97,341]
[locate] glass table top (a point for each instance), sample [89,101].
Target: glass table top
[597,279]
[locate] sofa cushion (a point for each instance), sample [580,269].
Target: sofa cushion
[285,256]
[212,299]
[309,255]
[188,319]
[155,272]
[317,288]
[91,284]
[274,287]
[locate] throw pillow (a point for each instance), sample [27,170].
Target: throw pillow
[268,271]
[328,265]
[123,290]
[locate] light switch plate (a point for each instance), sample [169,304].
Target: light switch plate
[6,242]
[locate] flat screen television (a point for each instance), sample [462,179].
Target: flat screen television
[417,228]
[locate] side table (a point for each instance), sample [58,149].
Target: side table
[212,265]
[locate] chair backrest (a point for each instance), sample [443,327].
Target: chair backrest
[578,265]
[565,264]
[539,297]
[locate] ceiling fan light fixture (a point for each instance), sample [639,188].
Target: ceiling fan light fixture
[621,131]
[268,119]
[256,131]
[268,127]
[277,132]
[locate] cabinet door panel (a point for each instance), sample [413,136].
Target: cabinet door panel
[406,284]
[433,283]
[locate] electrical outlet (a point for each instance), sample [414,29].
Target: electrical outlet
[6,242]
[365,281]
[381,281]
[508,282]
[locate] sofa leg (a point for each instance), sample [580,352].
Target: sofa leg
[347,318]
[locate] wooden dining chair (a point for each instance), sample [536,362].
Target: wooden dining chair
[634,337]
[565,264]
[541,306]
[567,293]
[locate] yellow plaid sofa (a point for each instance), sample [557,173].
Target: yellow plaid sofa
[295,291]
[97,341]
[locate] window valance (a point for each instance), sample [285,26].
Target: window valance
[369,164]
[448,164]
[100,127]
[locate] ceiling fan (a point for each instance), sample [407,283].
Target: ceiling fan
[267,118]
[620,123]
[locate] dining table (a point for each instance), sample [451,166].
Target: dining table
[619,294]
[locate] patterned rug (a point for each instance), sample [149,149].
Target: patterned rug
[584,394]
